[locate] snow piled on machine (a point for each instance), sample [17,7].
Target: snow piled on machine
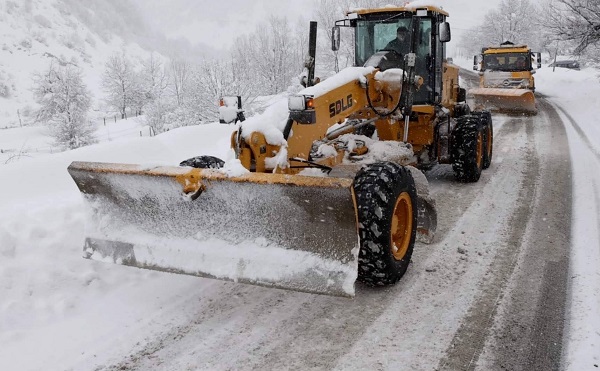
[379,150]
[342,78]
[228,109]
[421,3]
[410,5]
[271,123]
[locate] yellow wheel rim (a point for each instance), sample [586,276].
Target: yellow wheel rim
[402,225]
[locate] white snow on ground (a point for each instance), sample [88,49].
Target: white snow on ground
[575,92]
[48,289]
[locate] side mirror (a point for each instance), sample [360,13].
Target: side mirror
[536,58]
[476,63]
[445,32]
[335,38]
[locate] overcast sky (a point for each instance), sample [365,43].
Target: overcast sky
[218,23]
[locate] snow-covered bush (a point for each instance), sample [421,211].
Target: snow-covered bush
[42,21]
[5,84]
[74,41]
[39,37]
[26,111]
[4,90]
[11,7]
[156,117]
[26,43]
[182,116]
[90,40]
[166,116]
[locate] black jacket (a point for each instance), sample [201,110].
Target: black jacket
[401,47]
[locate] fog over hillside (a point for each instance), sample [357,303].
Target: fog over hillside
[35,33]
[217,24]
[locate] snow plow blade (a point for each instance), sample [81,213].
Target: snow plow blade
[291,232]
[505,100]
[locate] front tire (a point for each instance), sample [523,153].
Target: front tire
[386,200]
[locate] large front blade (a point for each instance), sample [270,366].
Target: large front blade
[505,100]
[291,232]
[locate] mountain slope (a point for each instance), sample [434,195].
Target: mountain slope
[34,33]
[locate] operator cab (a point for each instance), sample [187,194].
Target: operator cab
[507,57]
[376,29]
[508,62]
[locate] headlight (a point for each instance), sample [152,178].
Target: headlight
[300,102]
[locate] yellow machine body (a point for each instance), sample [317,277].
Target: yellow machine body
[277,225]
[506,82]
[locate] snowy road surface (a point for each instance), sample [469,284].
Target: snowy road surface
[493,291]
[510,231]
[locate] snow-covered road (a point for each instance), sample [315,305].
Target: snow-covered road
[450,308]
[513,254]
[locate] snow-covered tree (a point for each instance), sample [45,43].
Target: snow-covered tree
[168,90]
[156,115]
[271,55]
[139,96]
[211,80]
[326,13]
[155,82]
[155,78]
[574,20]
[119,82]
[512,20]
[180,70]
[64,103]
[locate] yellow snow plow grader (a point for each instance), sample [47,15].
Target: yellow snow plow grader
[506,82]
[314,200]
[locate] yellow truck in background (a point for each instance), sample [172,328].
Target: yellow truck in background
[506,82]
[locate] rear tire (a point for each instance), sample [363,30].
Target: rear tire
[386,201]
[467,148]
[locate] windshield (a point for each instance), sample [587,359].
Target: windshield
[507,62]
[375,35]
[372,37]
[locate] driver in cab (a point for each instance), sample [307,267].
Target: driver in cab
[400,44]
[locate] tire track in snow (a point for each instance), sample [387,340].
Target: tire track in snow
[517,322]
[406,326]
[582,332]
[443,278]
[469,339]
[580,132]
